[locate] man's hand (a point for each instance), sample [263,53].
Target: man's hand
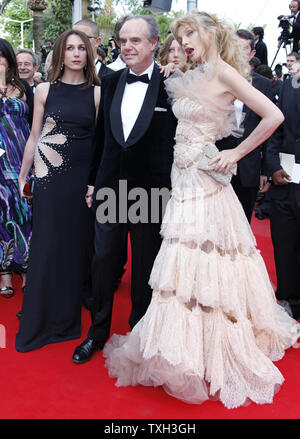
[89,196]
[280,177]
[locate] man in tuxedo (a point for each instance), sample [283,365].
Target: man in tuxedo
[285,198]
[250,174]
[133,150]
[295,34]
[91,30]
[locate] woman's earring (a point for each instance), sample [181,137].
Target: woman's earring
[85,68]
[62,67]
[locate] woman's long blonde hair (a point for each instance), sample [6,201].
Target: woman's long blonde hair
[226,40]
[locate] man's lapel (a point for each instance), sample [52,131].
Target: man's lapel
[145,116]
[296,89]
[115,110]
[246,110]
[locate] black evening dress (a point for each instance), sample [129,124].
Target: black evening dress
[62,222]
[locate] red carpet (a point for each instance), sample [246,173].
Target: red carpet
[45,384]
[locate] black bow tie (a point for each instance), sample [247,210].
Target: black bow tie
[135,78]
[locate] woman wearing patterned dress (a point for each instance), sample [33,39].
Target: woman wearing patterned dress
[60,144]
[16,101]
[213,327]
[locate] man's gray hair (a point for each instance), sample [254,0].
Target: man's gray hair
[153,29]
[30,52]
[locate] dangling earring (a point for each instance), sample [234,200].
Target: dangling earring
[62,67]
[85,68]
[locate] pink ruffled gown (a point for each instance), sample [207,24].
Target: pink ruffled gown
[213,328]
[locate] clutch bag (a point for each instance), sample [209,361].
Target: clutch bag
[210,151]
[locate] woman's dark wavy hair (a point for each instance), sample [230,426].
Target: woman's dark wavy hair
[12,74]
[59,53]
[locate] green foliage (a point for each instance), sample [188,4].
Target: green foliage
[132,7]
[16,10]
[105,19]
[164,22]
[57,18]
[108,17]
[4,4]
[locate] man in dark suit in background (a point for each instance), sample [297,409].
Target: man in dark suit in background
[134,150]
[261,51]
[295,34]
[91,30]
[103,70]
[285,198]
[250,178]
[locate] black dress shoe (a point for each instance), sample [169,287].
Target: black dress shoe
[85,350]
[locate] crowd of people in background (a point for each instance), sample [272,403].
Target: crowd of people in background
[60,124]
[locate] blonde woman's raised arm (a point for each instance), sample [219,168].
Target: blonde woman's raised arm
[271,118]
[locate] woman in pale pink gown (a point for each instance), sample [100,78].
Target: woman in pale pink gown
[213,328]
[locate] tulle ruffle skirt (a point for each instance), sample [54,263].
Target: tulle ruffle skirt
[213,328]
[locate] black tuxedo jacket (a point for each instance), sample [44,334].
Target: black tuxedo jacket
[145,158]
[251,166]
[296,28]
[104,70]
[286,138]
[261,52]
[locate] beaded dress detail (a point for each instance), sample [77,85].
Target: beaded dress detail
[62,223]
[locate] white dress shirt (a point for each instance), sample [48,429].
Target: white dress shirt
[97,64]
[133,98]
[118,64]
[238,106]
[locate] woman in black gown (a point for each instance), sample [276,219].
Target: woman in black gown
[60,145]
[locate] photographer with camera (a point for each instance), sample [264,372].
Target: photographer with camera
[284,37]
[46,59]
[113,49]
[45,49]
[118,64]
[295,34]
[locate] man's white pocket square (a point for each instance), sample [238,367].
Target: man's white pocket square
[160,109]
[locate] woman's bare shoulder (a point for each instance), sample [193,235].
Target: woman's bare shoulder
[42,87]
[41,91]
[227,73]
